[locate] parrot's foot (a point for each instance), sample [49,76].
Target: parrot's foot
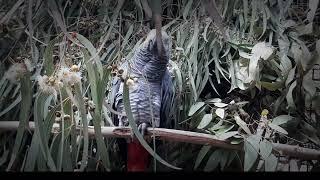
[143,128]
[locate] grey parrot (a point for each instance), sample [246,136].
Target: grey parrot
[152,84]
[151,93]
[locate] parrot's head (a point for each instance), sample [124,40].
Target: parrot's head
[150,43]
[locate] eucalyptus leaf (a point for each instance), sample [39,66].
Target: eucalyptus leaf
[213,160]
[271,163]
[207,118]
[202,153]
[251,152]
[282,119]
[220,105]
[220,113]
[265,149]
[277,128]
[195,107]
[227,135]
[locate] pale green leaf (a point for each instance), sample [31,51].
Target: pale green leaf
[271,86]
[251,153]
[227,135]
[282,119]
[265,149]
[220,112]
[305,29]
[207,118]
[213,100]
[186,10]
[277,128]
[220,105]
[242,124]
[213,160]
[25,108]
[271,163]
[289,96]
[12,105]
[204,150]
[195,107]
[313,5]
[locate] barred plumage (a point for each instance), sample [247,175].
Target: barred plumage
[150,89]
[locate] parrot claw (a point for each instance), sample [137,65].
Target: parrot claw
[143,128]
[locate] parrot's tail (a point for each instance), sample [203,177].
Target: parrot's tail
[138,157]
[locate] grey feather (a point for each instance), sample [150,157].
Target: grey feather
[152,78]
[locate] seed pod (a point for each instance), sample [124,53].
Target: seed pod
[52,80]
[130,82]
[58,114]
[75,68]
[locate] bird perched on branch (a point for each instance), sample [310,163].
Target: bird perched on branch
[150,92]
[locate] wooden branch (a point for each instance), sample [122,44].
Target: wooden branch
[178,136]
[296,151]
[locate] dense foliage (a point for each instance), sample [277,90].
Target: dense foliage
[252,78]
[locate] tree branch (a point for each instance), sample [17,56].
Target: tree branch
[179,136]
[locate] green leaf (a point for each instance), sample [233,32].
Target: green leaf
[272,86]
[289,96]
[32,154]
[204,150]
[207,118]
[265,149]
[224,158]
[83,114]
[305,29]
[245,11]
[227,135]
[102,148]
[4,157]
[282,119]
[25,107]
[253,17]
[186,10]
[224,128]
[313,5]
[48,57]
[220,113]
[178,74]
[39,130]
[213,160]
[195,107]
[241,123]
[126,38]
[10,13]
[277,128]
[220,105]
[92,51]
[271,163]
[236,141]
[264,16]
[12,105]
[251,153]
[213,100]
[231,157]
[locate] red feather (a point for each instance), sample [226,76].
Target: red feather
[138,157]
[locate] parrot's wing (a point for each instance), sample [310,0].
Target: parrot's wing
[167,97]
